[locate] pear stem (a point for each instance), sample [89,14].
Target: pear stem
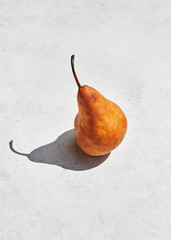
[73,70]
[12,149]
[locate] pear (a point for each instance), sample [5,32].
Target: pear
[100,124]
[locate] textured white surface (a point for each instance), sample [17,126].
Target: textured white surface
[123,49]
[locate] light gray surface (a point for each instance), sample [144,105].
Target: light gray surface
[123,49]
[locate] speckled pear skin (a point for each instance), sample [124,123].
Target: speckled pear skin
[100,124]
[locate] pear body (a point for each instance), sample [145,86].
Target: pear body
[100,124]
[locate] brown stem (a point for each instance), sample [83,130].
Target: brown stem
[73,70]
[12,149]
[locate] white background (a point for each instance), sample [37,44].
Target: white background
[123,49]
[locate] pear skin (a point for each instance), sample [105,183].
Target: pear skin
[100,124]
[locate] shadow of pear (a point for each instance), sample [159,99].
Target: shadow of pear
[65,152]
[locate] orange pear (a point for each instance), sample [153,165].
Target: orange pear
[100,124]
